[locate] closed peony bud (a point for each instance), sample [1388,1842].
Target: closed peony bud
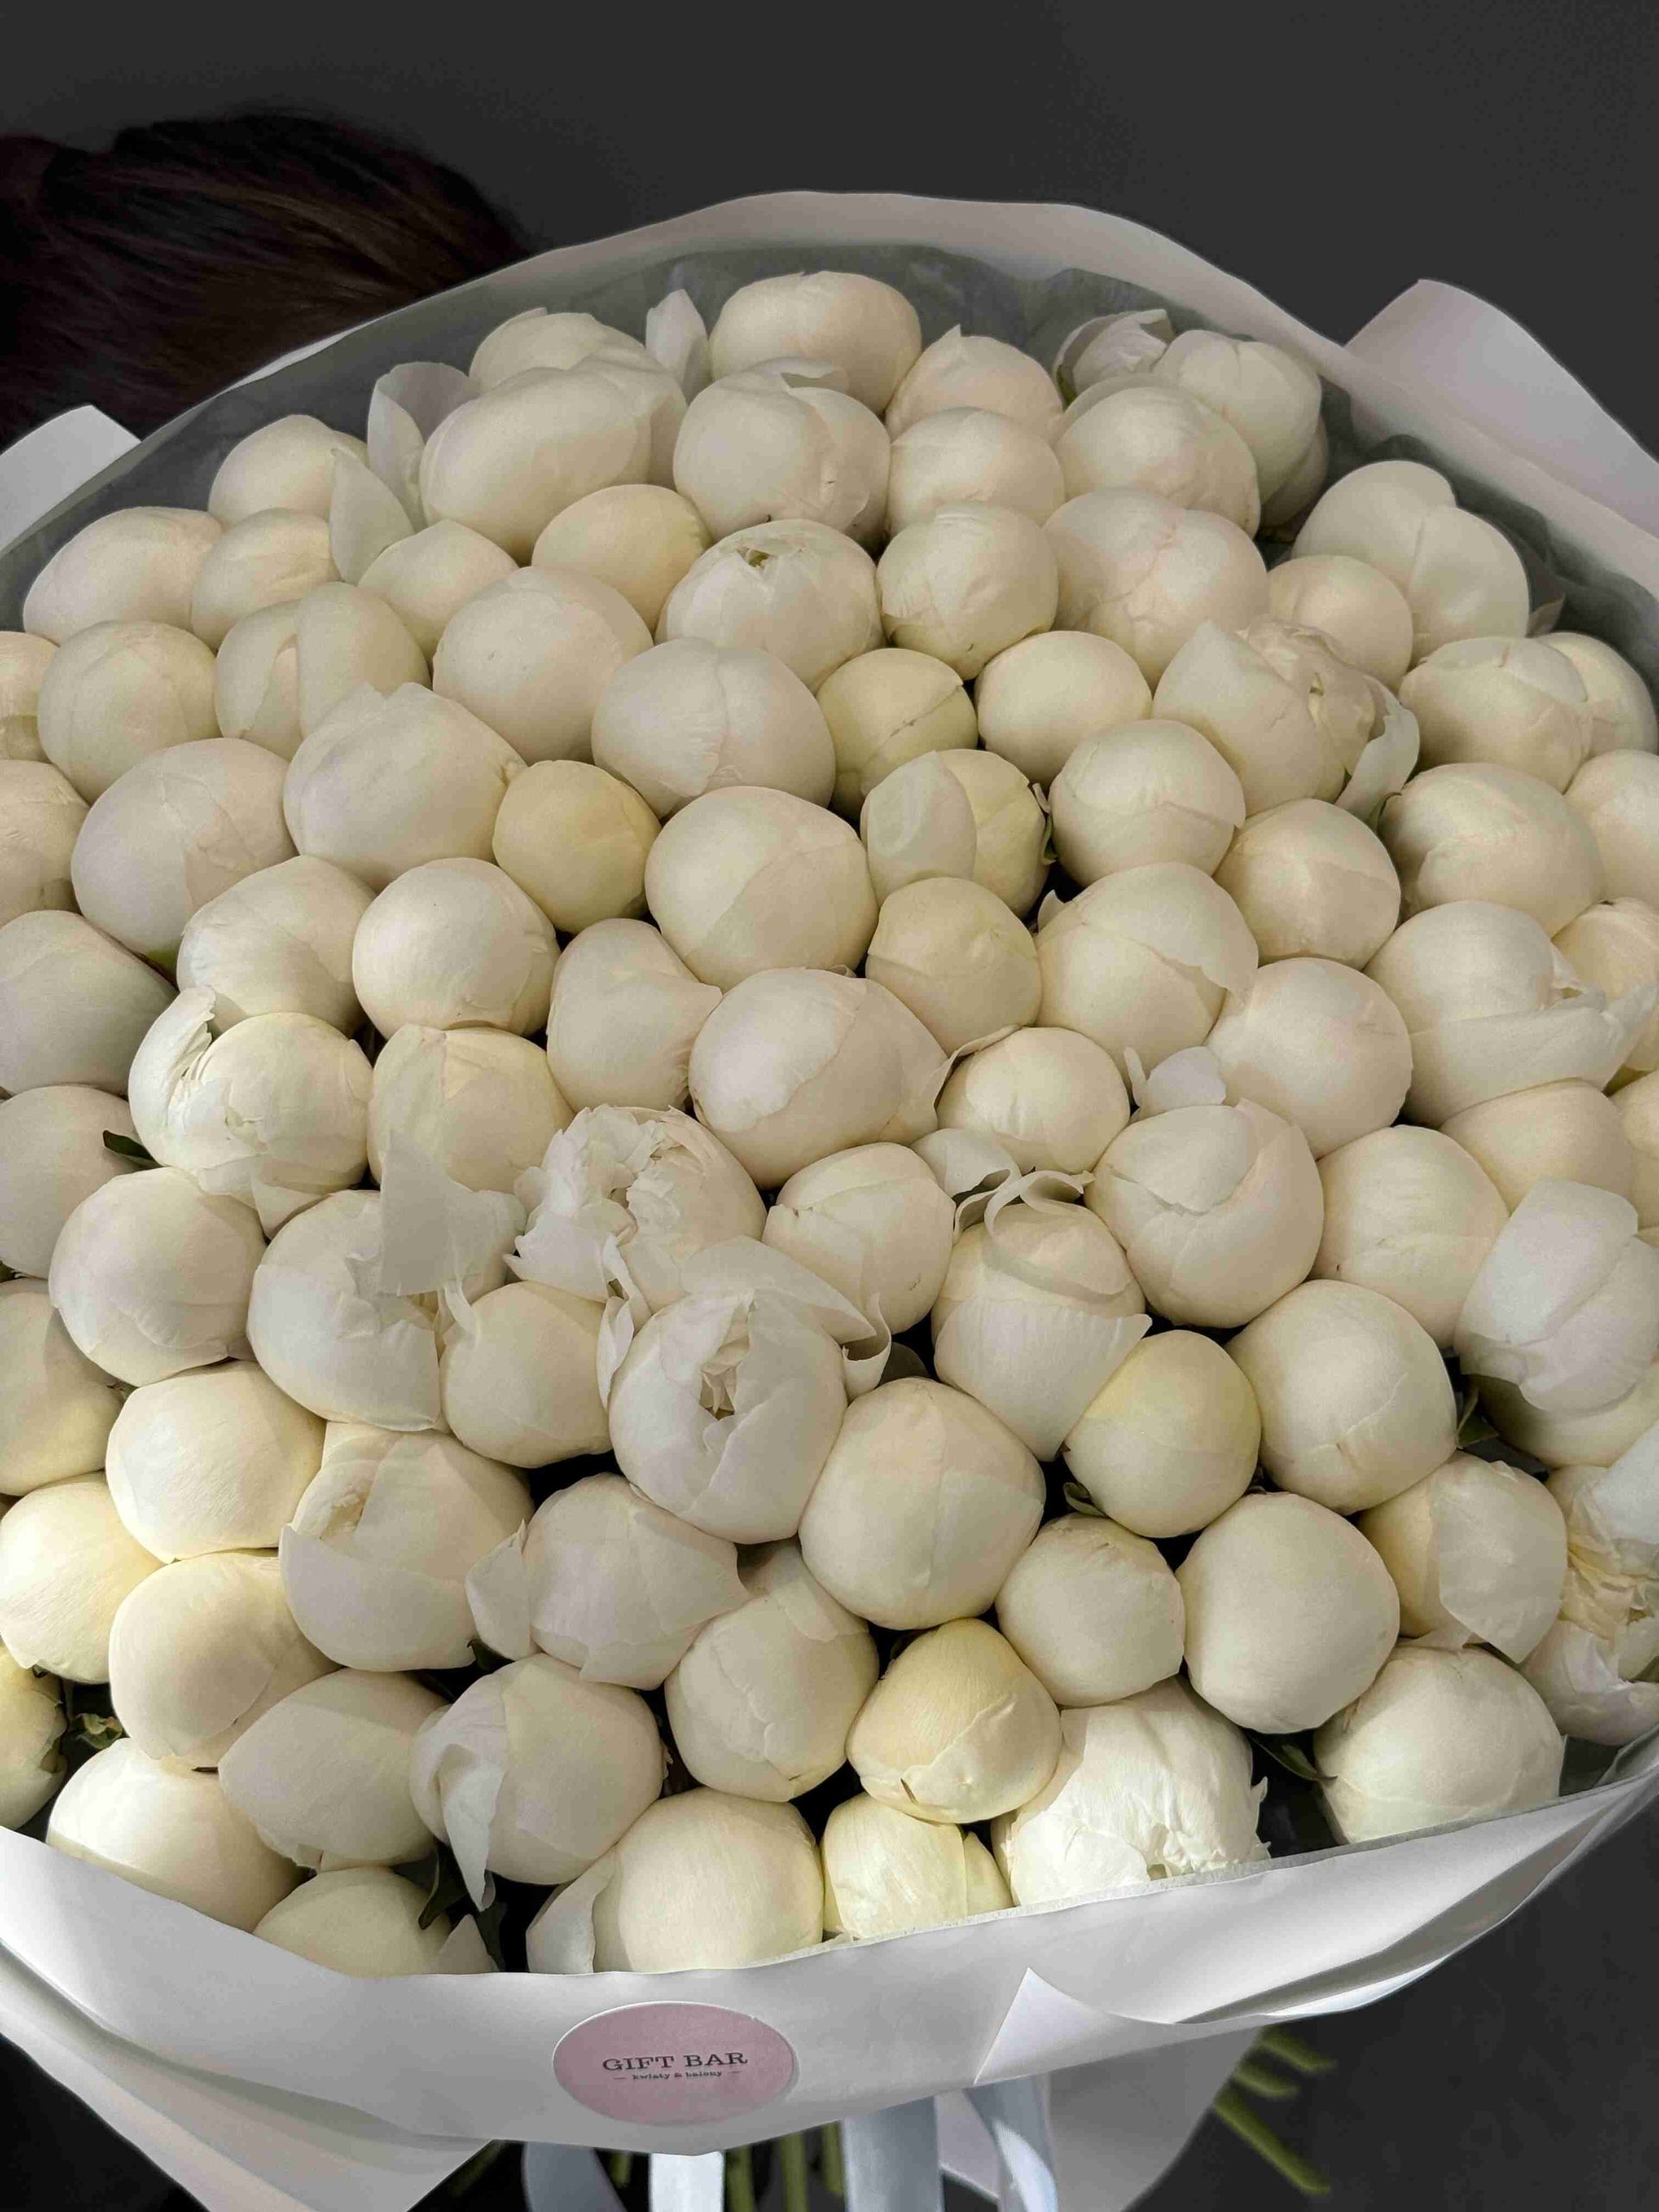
[1621,705]
[212,1461]
[762,1700]
[1561,1132]
[52,1156]
[759,447]
[56,1409]
[888,1874]
[1614,948]
[798,590]
[1038,701]
[482,1105]
[1049,1098]
[74,1004]
[1093,1611]
[1135,434]
[1147,574]
[865,326]
[689,718]
[957,1729]
[1319,1043]
[1310,879]
[1439,1736]
[120,691]
[1149,1786]
[1515,701]
[24,664]
[531,656]
[361,1920]
[1409,1213]
[199,1649]
[375,1560]
[638,538]
[1355,1399]
[962,370]
[1287,716]
[534,1773]
[1170,1440]
[1478,1552]
[955,955]
[539,338]
[1473,831]
[626,1013]
[1364,613]
[1271,397]
[873,1224]
[1144,793]
[925,1503]
[1615,797]
[452,944]
[575,839]
[1561,1439]
[40,820]
[1637,1105]
[278,942]
[887,708]
[177,1835]
[139,564]
[519,1376]
[971,454]
[268,559]
[31,1721]
[288,462]
[427,578]
[66,1562]
[958,813]
[968,581]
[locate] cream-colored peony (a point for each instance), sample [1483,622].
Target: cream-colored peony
[455,945]
[887,708]
[967,582]
[215,1461]
[287,462]
[519,1376]
[1143,792]
[24,664]
[689,718]
[74,1005]
[1311,878]
[1478,1552]
[958,813]
[1561,1438]
[1288,715]
[1614,948]
[764,445]
[1594,1665]
[971,453]
[1038,700]
[1093,1611]
[1321,1044]
[1170,1440]
[873,1224]
[1638,1104]
[1050,1099]
[1560,1132]
[120,691]
[1147,574]
[481,1105]
[278,942]
[31,1721]
[957,1729]
[66,1562]
[969,370]
[1409,1213]
[1622,716]
[638,538]
[1615,797]
[865,327]
[52,1156]
[798,590]
[1131,433]
[139,564]
[282,670]
[958,957]
[626,1013]
[56,1409]
[1364,613]
[365,1921]
[1474,830]
[888,1874]
[427,578]
[531,656]
[270,559]
[1515,701]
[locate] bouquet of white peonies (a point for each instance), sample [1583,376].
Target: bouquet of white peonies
[816,1124]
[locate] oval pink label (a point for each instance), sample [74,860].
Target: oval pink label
[672,2065]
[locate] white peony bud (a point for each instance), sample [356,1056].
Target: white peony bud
[575,839]
[798,590]
[212,1461]
[1146,1787]
[56,1409]
[887,708]
[923,1504]
[288,462]
[762,1700]
[1461,577]
[701,1879]
[1038,701]
[1364,613]
[269,560]
[531,656]
[966,584]
[798,1063]
[1320,1044]
[888,1874]
[139,564]
[1271,397]
[1289,1613]
[1143,960]
[1478,1552]
[451,945]
[278,942]
[1615,797]
[1312,879]
[956,956]
[52,1156]
[152,1276]
[1558,1439]
[1288,717]
[427,578]
[958,813]
[66,1562]
[1143,792]
[1560,1132]
[1614,948]
[625,1015]
[199,1649]
[689,718]
[1219,1209]
[971,454]
[866,327]
[480,1103]
[1170,1440]
[359,1920]
[873,1224]
[1355,1399]
[1147,574]
[31,1721]
[957,1729]
[1439,1736]
[174,832]
[638,538]
[519,1376]
[759,447]
[1049,1098]
[1409,1213]
[1637,1105]
[177,1835]
[962,370]
[24,664]
[120,691]
[1621,705]
[1135,434]
[1093,1611]
[1515,701]
[540,339]
[375,1559]
[274,1113]
[74,1005]
[324,1775]
[1566,1305]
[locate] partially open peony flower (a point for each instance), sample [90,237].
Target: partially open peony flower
[1593,1665]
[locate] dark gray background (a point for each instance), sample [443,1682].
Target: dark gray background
[1331,155]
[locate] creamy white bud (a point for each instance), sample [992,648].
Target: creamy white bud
[1621,705]
[375,1560]
[925,1503]
[1311,878]
[344,637]
[1638,1104]
[177,1835]
[519,1376]
[24,664]
[1287,716]
[888,1874]
[638,538]
[538,338]
[454,943]
[759,447]
[1144,793]
[798,1063]
[119,691]
[359,1920]
[626,1013]
[1135,435]
[56,1409]
[1478,1552]
[958,813]
[963,371]
[1051,1098]
[1143,960]
[1126,344]
[1460,577]
[66,1562]
[762,1700]
[1038,701]
[139,564]
[865,326]
[1613,947]
[52,1156]
[531,656]
[1439,1736]
[1093,1612]
[1270,397]
[1409,1213]
[968,582]
[1147,574]
[278,942]
[689,718]
[212,1461]
[1615,797]
[1146,1787]
[887,708]
[270,559]
[1580,1678]
[31,1721]
[480,1103]
[957,1729]
[701,1879]
[1515,701]
[152,1276]
[873,1224]
[1170,1440]
[1560,1132]
[956,956]
[427,578]
[575,839]
[74,1005]
[1563,1439]
[1319,1043]
[798,590]
[288,462]
[966,454]
[1364,613]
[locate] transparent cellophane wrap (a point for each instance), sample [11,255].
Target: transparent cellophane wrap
[875,2024]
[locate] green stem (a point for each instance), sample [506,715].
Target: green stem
[1262,2082]
[791,2164]
[831,2170]
[460,2181]
[739,2179]
[1279,2042]
[620,2165]
[1232,2111]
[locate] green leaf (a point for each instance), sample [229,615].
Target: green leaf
[1286,1752]
[126,1147]
[1079,1500]
[1231,2109]
[1290,2051]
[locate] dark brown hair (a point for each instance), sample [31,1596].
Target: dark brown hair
[143,278]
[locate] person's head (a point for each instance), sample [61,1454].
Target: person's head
[141,278]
